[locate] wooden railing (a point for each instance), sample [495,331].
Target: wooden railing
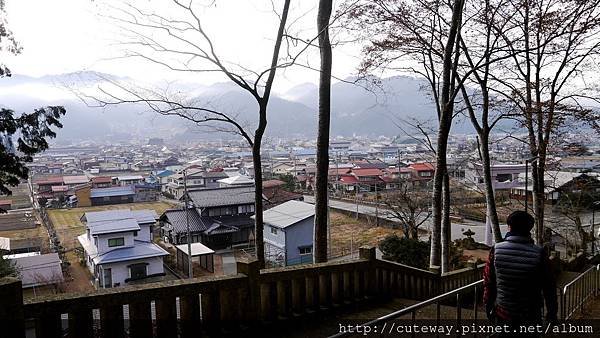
[214,304]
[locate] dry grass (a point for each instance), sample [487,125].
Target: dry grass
[346,230]
[37,232]
[68,225]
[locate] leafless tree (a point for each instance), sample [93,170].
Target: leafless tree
[554,51]
[420,37]
[410,206]
[180,43]
[482,47]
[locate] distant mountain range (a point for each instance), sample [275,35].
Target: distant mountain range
[355,110]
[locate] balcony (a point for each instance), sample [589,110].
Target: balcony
[225,304]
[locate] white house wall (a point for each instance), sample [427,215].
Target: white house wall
[103,241]
[275,239]
[120,271]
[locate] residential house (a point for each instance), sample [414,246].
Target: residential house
[71,181]
[101,182]
[129,180]
[162,176]
[339,146]
[557,183]
[44,186]
[422,172]
[236,181]
[231,171]
[371,164]
[288,233]
[37,270]
[281,168]
[211,178]
[194,179]
[218,218]
[112,195]
[368,179]
[275,194]
[504,176]
[118,246]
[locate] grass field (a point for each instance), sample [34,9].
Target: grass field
[347,232]
[68,225]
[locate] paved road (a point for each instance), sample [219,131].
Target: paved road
[352,207]
[456,232]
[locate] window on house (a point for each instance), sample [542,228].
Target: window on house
[120,241]
[137,271]
[305,250]
[504,177]
[273,231]
[135,234]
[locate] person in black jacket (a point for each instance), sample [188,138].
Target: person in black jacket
[518,277]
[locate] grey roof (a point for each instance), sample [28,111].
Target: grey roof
[214,174]
[145,215]
[177,219]
[237,180]
[106,227]
[39,269]
[222,196]
[141,216]
[288,213]
[138,251]
[114,191]
[219,228]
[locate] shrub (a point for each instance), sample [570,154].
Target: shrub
[406,251]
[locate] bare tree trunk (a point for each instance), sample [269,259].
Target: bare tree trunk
[446,225]
[438,237]
[321,207]
[490,195]
[258,189]
[436,209]
[539,199]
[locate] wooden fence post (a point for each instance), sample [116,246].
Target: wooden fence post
[251,268]
[12,317]
[368,253]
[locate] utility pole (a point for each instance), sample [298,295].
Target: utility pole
[356,198]
[187,224]
[398,164]
[376,206]
[337,172]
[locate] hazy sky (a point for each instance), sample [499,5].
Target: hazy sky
[61,36]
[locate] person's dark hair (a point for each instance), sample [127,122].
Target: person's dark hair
[520,222]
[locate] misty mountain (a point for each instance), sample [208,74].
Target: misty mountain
[356,109]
